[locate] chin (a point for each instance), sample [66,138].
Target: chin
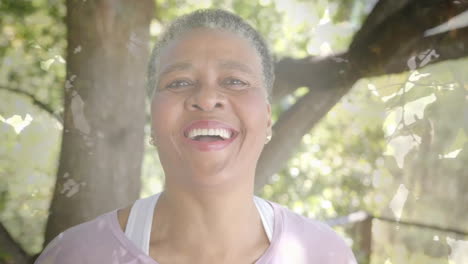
[210,176]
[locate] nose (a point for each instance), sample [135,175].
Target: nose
[205,98]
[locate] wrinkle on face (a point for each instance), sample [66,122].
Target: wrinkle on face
[205,59]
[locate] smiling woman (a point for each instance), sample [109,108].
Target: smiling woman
[209,80]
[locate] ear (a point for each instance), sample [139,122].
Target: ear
[269,121]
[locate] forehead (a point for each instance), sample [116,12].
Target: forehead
[204,44]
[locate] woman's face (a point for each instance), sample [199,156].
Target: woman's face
[210,82]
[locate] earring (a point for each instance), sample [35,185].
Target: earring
[268,138]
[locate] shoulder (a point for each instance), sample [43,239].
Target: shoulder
[73,245]
[318,240]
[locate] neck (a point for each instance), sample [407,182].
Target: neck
[219,221]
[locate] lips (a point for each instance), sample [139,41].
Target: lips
[209,145]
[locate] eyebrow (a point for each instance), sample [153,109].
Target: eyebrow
[235,65]
[225,64]
[178,66]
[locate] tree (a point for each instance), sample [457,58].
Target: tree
[392,33]
[102,144]
[96,134]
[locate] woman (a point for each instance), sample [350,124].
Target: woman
[209,81]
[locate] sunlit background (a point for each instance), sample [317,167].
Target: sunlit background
[393,147]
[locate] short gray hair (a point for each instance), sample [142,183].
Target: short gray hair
[213,19]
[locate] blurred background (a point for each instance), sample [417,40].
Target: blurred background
[370,110]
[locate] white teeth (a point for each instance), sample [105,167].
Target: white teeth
[224,133]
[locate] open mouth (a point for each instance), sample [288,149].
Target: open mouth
[208,138]
[210,135]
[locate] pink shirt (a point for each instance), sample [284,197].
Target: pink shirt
[296,239]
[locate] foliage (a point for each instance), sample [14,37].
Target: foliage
[32,47]
[399,129]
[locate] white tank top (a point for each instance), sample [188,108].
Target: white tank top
[139,222]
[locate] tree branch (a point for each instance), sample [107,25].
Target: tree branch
[371,53]
[36,102]
[389,27]
[312,72]
[15,253]
[382,10]
[293,124]
[384,50]
[445,46]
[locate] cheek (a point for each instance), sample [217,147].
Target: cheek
[254,111]
[162,113]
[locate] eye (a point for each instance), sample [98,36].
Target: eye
[234,82]
[178,84]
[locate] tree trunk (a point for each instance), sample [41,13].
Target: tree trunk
[10,251]
[104,115]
